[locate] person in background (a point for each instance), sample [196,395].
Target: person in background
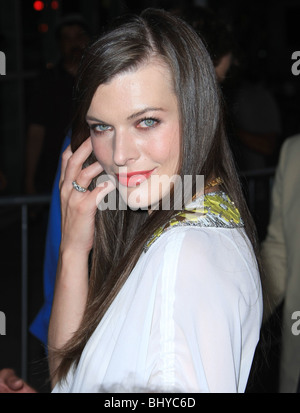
[281,258]
[257,125]
[253,116]
[216,35]
[51,104]
[39,326]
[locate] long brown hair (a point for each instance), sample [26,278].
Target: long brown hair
[121,235]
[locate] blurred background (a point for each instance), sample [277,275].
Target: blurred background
[262,98]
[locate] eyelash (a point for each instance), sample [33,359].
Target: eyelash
[157,121]
[96,125]
[97,132]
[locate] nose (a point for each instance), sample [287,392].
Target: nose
[125,149]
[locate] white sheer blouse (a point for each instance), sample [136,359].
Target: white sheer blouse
[187,319]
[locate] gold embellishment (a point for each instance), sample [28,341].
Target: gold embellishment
[210,184]
[216,210]
[214,182]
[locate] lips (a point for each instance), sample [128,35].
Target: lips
[133,179]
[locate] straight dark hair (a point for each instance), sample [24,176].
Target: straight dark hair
[121,235]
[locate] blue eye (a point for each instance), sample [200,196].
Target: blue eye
[148,123]
[100,128]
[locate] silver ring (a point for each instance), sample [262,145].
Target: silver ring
[78,187]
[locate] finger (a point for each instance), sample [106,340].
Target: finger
[75,162]
[67,153]
[92,198]
[15,383]
[87,174]
[101,191]
[11,380]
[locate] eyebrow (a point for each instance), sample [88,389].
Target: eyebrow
[141,112]
[133,116]
[93,118]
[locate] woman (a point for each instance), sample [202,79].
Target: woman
[168,300]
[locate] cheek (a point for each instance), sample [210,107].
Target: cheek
[167,147]
[102,153]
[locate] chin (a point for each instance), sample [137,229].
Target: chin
[145,196]
[135,199]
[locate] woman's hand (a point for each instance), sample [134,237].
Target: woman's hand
[11,383]
[78,209]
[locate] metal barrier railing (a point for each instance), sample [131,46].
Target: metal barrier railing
[25,201]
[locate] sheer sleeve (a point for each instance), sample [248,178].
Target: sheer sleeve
[207,313]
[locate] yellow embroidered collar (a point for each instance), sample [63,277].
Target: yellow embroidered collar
[214,209]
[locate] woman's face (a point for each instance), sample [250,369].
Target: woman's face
[135,131]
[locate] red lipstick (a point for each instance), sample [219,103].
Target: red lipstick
[133,179]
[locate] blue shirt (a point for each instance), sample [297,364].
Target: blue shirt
[39,327]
